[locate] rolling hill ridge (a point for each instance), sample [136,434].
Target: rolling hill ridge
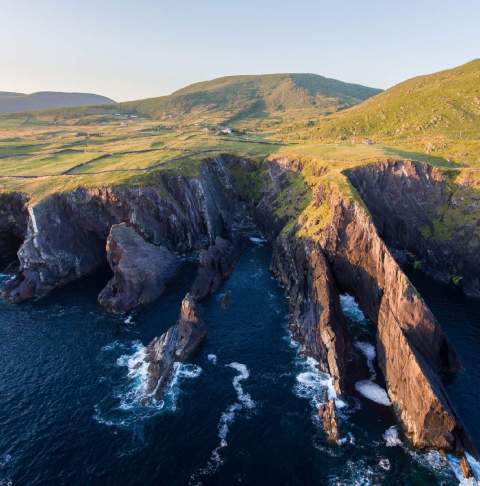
[238,97]
[44,100]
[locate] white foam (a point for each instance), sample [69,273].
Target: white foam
[384,463]
[373,392]
[112,346]
[454,463]
[128,320]
[314,385]
[257,241]
[391,437]
[351,309]
[244,398]
[368,350]
[227,418]
[133,403]
[474,464]
[212,358]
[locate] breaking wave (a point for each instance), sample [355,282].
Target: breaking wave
[130,402]
[474,465]
[391,437]
[351,309]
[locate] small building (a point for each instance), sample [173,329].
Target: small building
[224,131]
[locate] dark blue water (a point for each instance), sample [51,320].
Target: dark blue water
[242,412]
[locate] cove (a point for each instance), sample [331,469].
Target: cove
[242,410]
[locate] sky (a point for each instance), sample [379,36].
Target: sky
[132,49]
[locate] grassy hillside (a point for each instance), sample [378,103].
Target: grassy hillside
[20,102]
[234,98]
[437,113]
[432,118]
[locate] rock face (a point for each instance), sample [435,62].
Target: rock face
[13,226]
[67,231]
[328,414]
[430,213]
[215,265]
[140,269]
[412,349]
[318,321]
[174,346]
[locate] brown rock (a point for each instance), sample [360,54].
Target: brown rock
[465,468]
[328,414]
[140,270]
[412,349]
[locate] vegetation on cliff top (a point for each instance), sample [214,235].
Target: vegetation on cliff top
[437,114]
[267,116]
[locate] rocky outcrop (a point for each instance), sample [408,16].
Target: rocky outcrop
[328,414]
[338,236]
[174,346]
[317,320]
[431,214]
[413,352]
[140,269]
[215,265]
[67,231]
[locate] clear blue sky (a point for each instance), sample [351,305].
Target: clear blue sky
[129,49]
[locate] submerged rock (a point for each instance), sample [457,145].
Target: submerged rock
[140,270]
[174,346]
[328,413]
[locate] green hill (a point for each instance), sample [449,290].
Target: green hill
[438,112]
[43,100]
[235,98]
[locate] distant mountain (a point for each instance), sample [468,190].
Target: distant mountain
[443,104]
[43,100]
[234,98]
